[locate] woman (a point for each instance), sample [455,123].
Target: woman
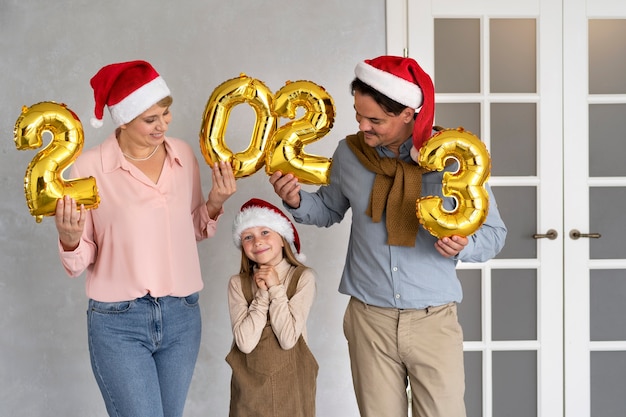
[139,246]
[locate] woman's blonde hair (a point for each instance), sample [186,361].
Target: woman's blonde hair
[166,101]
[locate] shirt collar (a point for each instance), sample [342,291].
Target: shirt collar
[112,157]
[405,150]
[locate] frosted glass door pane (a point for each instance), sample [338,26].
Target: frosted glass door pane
[515,384]
[607,56]
[517,205]
[473,383]
[607,304]
[514,304]
[606,216]
[608,379]
[513,139]
[457,55]
[469,309]
[607,139]
[513,53]
[453,115]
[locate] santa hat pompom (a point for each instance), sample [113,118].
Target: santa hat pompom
[259,213]
[403,80]
[127,89]
[96,123]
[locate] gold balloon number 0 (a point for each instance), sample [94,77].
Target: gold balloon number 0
[466,185]
[279,149]
[43,182]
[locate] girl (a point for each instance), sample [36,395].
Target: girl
[274,372]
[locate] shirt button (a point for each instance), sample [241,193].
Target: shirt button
[397,296]
[395,269]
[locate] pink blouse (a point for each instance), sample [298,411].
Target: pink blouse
[142,238]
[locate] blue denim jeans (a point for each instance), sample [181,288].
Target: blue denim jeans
[143,353]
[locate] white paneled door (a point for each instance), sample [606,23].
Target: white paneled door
[543,84]
[594,151]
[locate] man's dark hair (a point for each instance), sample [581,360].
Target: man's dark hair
[389,105]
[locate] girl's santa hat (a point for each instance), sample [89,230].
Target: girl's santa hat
[259,213]
[403,80]
[127,89]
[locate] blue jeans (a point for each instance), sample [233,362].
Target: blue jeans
[143,353]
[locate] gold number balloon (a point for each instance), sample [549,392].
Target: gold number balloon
[43,183]
[286,149]
[226,96]
[279,150]
[466,185]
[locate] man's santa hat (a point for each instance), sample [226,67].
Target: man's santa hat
[259,213]
[127,89]
[403,80]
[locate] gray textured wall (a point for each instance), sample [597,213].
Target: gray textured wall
[48,51]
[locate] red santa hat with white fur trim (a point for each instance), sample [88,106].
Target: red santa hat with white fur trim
[259,213]
[127,89]
[403,80]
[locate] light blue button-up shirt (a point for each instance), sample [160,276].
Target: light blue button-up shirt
[393,276]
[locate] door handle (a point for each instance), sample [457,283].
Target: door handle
[550,234]
[575,234]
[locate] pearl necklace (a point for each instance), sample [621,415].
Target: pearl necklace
[142,159]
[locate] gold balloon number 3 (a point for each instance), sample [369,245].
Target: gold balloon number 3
[466,185]
[43,182]
[279,149]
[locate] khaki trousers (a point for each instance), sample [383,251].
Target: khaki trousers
[389,345]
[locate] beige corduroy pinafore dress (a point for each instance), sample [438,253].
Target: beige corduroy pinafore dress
[271,381]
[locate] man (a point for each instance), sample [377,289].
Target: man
[401,322]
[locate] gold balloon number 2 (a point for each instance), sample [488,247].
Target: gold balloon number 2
[466,185]
[279,149]
[43,182]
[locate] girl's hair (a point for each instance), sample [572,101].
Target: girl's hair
[247,266]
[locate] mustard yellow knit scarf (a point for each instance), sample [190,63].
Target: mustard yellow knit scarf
[397,187]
